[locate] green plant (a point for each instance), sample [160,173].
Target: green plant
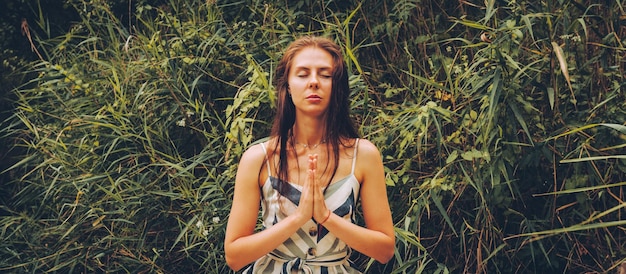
[501,126]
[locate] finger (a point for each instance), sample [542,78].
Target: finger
[312,168]
[311,176]
[315,181]
[312,161]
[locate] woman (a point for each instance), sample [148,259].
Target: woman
[309,176]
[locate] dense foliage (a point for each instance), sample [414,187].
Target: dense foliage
[502,126]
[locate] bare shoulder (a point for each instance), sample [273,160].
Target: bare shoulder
[369,165]
[253,158]
[367,149]
[254,151]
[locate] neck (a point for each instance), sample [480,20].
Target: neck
[309,132]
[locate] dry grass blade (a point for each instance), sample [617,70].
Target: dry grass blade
[558,51]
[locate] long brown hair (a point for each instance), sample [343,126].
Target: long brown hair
[339,124]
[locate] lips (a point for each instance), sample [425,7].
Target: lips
[313,96]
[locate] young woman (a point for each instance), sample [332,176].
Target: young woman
[309,177]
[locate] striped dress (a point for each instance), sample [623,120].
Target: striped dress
[312,249]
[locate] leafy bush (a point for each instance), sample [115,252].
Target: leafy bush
[501,127]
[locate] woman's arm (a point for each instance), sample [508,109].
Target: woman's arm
[377,239]
[241,244]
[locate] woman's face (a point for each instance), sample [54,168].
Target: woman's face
[311,80]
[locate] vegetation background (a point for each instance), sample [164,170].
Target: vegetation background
[501,124]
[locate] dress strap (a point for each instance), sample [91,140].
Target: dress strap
[356,145]
[267,161]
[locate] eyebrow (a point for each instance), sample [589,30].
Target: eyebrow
[307,68]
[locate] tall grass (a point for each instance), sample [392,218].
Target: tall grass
[501,126]
[120,129]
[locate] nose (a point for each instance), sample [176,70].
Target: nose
[314,83]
